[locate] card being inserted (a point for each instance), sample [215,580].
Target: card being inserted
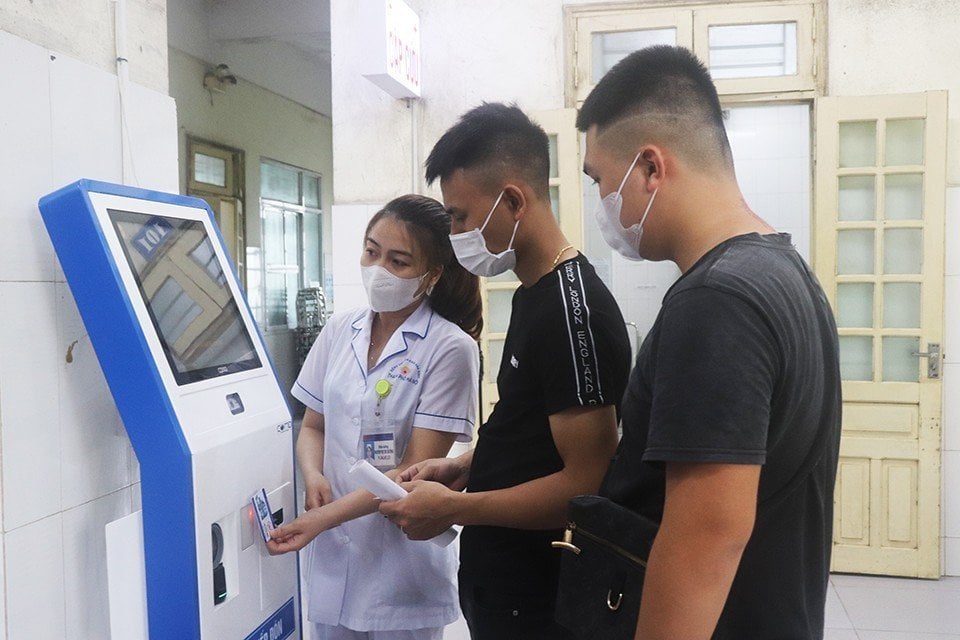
[261,507]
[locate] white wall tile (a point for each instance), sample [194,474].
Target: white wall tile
[136,501]
[951,556]
[951,493]
[97,456]
[152,124]
[28,406]
[952,264]
[3,588]
[349,222]
[951,407]
[85,117]
[34,580]
[25,249]
[951,318]
[87,611]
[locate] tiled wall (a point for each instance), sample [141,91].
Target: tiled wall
[951,388]
[349,223]
[67,465]
[771,149]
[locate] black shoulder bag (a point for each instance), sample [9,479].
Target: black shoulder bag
[605,550]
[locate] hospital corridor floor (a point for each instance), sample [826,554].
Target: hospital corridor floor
[873,608]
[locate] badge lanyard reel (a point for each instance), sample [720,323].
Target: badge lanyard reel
[377,438]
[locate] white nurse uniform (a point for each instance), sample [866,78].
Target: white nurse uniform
[365,574]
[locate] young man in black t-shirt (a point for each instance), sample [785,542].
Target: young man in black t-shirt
[731,420]
[564,368]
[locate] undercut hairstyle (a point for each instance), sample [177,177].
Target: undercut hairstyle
[499,142]
[456,296]
[660,94]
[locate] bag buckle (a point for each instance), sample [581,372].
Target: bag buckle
[567,542]
[613,606]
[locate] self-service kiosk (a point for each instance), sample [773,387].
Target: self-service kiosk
[200,401]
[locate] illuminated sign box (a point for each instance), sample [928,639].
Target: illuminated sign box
[391,46]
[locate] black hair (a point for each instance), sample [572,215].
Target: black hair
[664,80]
[456,296]
[501,141]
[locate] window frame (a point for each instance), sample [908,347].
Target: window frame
[300,209]
[231,158]
[692,21]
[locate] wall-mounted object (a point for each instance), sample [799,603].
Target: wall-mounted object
[218,78]
[391,36]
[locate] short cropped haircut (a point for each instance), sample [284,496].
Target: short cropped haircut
[497,140]
[662,92]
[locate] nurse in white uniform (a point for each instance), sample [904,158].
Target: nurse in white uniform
[397,384]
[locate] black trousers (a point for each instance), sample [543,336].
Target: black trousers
[498,615]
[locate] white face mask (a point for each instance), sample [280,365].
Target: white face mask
[471,250]
[387,292]
[626,242]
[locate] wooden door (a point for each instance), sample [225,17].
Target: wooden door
[879,250]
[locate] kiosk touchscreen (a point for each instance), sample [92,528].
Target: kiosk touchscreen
[200,401]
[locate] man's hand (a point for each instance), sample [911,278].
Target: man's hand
[425,513]
[450,472]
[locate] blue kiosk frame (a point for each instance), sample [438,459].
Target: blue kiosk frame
[189,474]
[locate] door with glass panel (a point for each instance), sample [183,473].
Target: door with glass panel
[763,62]
[498,291]
[880,187]
[213,173]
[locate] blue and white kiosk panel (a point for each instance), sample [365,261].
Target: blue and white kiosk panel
[199,398]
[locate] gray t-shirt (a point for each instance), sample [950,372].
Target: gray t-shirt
[742,367]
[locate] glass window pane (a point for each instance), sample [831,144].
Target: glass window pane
[274,288]
[491,365]
[903,196]
[209,170]
[753,50]
[904,142]
[312,248]
[552,148]
[255,284]
[855,251]
[499,305]
[858,144]
[279,183]
[291,251]
[856,358]
[555,201]
[311,191]
[610,48]
[855,304]
[901,305]
[899,363]
[902,251]
[857,198]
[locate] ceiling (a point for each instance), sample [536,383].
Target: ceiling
[281,45]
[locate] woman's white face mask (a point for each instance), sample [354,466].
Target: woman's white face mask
[471,250]
[387,292]
[625,241]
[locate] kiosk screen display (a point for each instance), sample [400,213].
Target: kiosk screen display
[185,290]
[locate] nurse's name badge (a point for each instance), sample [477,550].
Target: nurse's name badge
[382,388]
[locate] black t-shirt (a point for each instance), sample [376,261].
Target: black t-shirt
[742,366]
[566,346]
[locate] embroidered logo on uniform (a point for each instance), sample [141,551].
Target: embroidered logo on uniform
[514,362]
[408,371]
